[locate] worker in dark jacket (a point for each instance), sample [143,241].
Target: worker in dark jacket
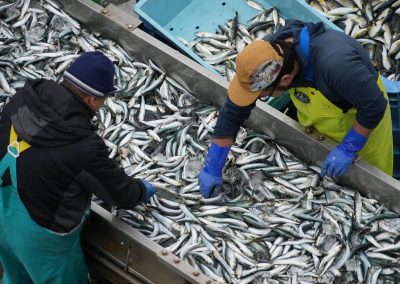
[51,162]
[333,85]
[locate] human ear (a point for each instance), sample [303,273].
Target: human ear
[285,79]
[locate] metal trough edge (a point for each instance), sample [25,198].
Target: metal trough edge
[114,245]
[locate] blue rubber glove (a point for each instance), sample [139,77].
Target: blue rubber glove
[211,175]
[149,191]
[339,159]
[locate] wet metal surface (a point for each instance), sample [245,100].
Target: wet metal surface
[124,5]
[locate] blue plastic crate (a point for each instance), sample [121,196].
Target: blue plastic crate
[392,87]
[394,101]
[167,19]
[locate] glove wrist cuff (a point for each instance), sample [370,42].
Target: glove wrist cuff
[353,141]
[215,159]
[149,190]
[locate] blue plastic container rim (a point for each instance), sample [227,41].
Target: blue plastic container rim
[392,87]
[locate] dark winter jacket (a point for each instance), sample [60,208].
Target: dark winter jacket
[67,161]
[342,71]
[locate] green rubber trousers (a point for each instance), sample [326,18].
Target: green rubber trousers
[29,252]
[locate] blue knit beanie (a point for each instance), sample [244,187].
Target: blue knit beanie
[93,74]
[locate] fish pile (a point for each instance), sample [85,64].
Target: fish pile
[375,25]
[219,49]
[39,40]
[276,221]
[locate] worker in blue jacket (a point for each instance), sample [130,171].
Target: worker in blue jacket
[51,162]
[332,83]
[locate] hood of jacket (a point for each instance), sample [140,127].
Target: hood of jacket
[292,29]
[47,114]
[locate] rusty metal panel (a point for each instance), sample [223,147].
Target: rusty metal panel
[136,255]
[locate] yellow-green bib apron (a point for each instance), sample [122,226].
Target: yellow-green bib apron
[329,120]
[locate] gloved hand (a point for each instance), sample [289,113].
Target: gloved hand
[340,158]
[211,175]
[149,190]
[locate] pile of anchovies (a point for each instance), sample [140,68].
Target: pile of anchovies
[375,25]
[277,220]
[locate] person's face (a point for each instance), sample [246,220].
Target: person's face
[95,103]
[284,84]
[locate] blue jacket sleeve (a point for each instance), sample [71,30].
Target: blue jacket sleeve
[349,78]
[230,118]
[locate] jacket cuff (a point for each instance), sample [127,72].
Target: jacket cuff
[142,189]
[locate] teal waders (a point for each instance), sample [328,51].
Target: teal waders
[29,252]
